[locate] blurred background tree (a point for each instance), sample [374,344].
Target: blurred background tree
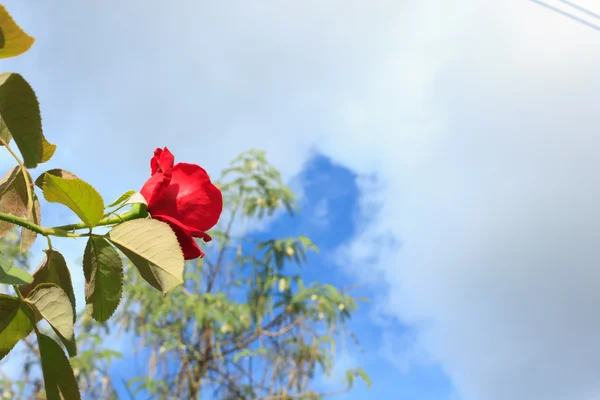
[243,326]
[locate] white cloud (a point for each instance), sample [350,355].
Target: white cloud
[404,350]
[498,268]
[479,120]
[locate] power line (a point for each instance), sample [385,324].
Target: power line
[571,16]
[578,7]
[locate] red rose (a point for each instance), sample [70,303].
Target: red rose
[183,196]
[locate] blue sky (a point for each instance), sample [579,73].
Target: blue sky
[464,132]
[322,182]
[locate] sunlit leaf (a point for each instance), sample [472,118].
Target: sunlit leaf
[122,198]
[63,187]
[52,269]
[152,247]
[48,150]
[13,40]
[54,306]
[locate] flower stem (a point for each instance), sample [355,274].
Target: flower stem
[107,221]
[36,228]
[138,210]
[18,292]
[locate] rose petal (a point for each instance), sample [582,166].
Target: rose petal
[183,196]
[195,233]
[155,187]
[190,198]
[188,244]
[162,161]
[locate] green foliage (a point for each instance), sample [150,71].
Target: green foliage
[15,322]
[103,270]
[53,304]
[259,183]
[13,40]
[152,247]
[4,132]
[20,112]
[53,269]
[351,374]
[11,274]
[48,294]
[244,325]
[63,187]
[48,150]
[59,380]
[121,199]
[240,323]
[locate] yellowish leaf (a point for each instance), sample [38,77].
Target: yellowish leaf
[13,40]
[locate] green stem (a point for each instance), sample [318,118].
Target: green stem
[138,210]
[104,222]
[36,228]
[63,231]
[23,222]
[18,292]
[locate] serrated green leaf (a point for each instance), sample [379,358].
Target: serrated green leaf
[20,111]
[122,198]
[48,150]
[153,248]
[13,40]
[103,270]
[5,136]
[52,269]
[27,236]
[13,275]
[13,197]
[54,306]
[15,322]
[63,187]
[59,380]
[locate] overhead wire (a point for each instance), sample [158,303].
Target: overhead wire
[571,16]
